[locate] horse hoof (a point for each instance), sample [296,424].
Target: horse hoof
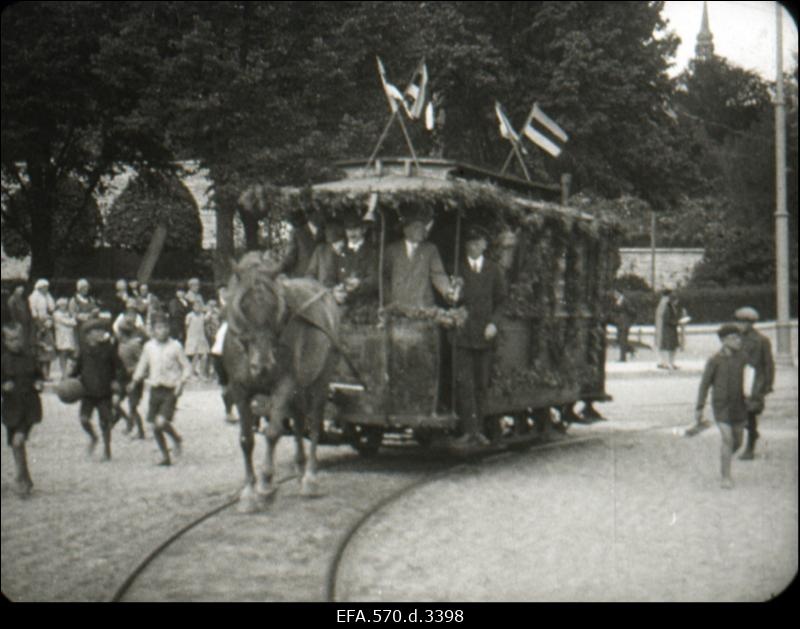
[248,501]
[310,487]
[266,492]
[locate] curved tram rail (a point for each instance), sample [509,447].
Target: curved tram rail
[394,496]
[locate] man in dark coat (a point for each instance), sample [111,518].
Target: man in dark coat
[327,262]
[622,313]
[482,294]
[307,233]
[758,353]
[413,267]
[360,262]
[178,308]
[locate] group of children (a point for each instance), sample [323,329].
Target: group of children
[739,376]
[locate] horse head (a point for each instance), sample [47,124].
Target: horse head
[255,312]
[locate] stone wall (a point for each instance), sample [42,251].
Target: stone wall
[674,266]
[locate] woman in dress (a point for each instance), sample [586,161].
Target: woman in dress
[42,306]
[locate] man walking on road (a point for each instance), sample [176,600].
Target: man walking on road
[758,353]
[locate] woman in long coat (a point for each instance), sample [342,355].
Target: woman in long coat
[42,305]
[670,341]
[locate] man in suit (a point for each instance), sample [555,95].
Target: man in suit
[327,262]
[360,262]
[482,294]
[758,353]
[307,233]
[413,267]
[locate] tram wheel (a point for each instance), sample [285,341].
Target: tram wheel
[366,440]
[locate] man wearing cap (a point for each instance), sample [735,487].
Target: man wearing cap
[483,293]
[758,352]
[414,267]
[360,262]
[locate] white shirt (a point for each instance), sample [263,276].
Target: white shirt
[355,246]
[477,264]
[411,247]
[165,364]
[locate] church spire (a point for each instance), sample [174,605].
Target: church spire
[704,49]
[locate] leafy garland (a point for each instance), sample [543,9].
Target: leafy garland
[445,317]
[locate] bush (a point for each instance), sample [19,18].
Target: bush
[150,199]
[713,305]
[631,282]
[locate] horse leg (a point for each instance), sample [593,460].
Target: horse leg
[277,413]
[310,484]
[247,497]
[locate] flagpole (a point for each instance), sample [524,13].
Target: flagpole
[380,140]
[521,162]
[513,148]
[508,161]
[408,141]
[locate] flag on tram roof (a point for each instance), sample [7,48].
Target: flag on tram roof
[393,95]
[506,130]
[417,92]
[538,134]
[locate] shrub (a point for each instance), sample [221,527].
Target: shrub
[631,282]
[150,199]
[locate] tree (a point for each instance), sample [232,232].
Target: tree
[76,226]
[76,101]
[150,199]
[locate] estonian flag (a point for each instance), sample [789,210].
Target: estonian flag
[393,94]
[417,92]
[538,133]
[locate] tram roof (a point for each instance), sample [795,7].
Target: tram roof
[401,174]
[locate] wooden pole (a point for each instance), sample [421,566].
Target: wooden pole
[457,257]
[408,141]
[380,140]
[522,162]
[783,355]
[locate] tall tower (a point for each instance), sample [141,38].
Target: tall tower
[704,49]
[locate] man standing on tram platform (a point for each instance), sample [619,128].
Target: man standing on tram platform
[360,261]
[327,262]
[307,233]
[483,292]
[413,267]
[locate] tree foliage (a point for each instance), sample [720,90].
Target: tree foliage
[151,199]
[76,227]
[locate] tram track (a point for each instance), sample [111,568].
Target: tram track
[350,532]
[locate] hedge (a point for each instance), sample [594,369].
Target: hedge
[713,305]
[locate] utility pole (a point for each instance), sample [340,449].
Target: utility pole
[783,355]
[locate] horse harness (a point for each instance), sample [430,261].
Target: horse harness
[301,314]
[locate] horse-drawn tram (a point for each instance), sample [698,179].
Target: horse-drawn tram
[397,371]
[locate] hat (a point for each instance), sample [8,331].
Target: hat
[43,283]
[746,314]
[422,215]
[476,232]
[351,220]
[727,329]
[333,230]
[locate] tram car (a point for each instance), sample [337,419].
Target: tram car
[559,263]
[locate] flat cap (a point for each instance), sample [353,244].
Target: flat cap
[728,329]
[746,314]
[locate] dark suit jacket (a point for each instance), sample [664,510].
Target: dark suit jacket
[483,294]
[326,266]
[758,352]
[411,281]
[362,264]
[177,317]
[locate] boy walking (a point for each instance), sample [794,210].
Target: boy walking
[724,373]
[98,368]
[167,370]
[21,407]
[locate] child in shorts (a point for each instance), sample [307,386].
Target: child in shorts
[167,370]
[21,407]
[723,374]
[98,367]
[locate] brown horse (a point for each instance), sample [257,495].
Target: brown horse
[281,342]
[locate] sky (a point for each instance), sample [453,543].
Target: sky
[744,33]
